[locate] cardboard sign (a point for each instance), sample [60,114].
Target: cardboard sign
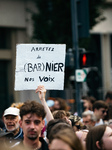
[40,64]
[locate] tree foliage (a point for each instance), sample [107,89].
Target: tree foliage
[94,12]
[52,22]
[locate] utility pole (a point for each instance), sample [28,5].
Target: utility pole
[76,51]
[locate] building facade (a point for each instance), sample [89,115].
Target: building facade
[16,27]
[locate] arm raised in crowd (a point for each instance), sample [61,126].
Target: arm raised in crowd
[42,92]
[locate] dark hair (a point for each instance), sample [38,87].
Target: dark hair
[108,95]
[62,103]
[92,99]
[85,97]
[58,127]
[59,114]
[52,123]
[100,104]
[32,107]
[95,134]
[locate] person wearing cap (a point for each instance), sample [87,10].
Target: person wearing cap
[11,119]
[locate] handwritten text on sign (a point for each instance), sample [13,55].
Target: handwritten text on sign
[40,64]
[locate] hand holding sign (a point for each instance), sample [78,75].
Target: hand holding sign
[42,92]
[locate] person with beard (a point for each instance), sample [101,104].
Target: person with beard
[32,122]
[11,120]
[89,119]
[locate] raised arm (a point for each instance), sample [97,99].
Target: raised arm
[42,92]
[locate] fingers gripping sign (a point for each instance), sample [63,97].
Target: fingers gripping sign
[41,91]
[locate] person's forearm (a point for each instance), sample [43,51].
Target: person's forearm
[49,115]
[42,92]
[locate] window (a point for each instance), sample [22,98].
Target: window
[5,38]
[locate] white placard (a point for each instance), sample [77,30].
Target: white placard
[40,64]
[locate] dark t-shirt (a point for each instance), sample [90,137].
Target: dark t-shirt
[44,144]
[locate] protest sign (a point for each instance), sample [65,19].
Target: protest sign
[40,64]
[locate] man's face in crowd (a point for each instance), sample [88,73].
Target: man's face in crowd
[101,113]
[32,126]
[11,122]
[88,122]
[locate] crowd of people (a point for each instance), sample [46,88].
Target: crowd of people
[49,125]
